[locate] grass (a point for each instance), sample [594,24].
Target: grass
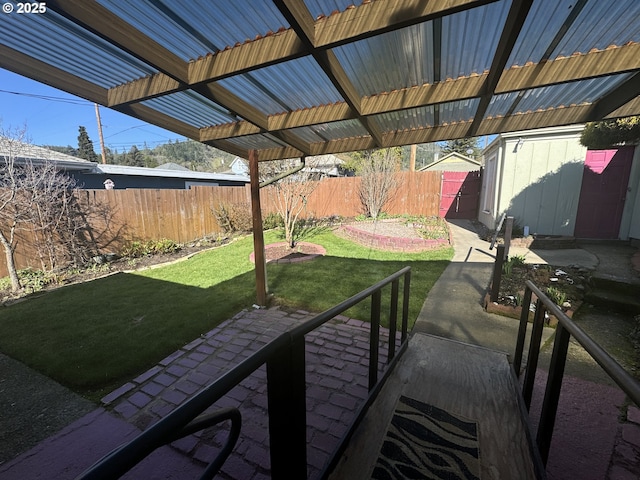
[95,336]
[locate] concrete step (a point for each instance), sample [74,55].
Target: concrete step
[622,296]
[553,242]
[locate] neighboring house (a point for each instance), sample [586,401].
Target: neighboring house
[460,187]
[550,183]
[239,167]
[20,152]
[142,177]
[91,175]
[327,165]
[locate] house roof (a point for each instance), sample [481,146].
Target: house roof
[310,77]
[172,166]
[165,173]
[454,162]
[10,147]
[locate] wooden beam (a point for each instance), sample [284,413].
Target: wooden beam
[311,116]
[233,103]
[39,71]
[621,95]
[161,120]
[258,234]
[99,20]
[144,89]
[229,147]
[299,17]
[566,69]
[512,27]
[279,47]
[569,115]
[414,97]
[627,110]
[373,18]
[228,130]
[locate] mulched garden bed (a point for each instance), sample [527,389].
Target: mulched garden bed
[565,285]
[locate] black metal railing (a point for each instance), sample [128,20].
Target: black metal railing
[285,361]
[565,329]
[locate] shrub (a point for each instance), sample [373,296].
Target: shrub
[234,217]
[137,249]
[272,220]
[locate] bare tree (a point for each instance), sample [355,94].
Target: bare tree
[379,182]
[290,193]
[38,200]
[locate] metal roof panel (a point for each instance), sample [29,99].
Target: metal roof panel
[186,27]
[281,88]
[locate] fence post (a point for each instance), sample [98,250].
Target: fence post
[497,273]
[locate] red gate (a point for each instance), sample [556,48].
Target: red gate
[603,193]
[460,194]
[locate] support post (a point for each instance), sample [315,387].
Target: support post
[258,234]
[497,273]
[508,232]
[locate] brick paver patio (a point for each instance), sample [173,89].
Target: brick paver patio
[337,374]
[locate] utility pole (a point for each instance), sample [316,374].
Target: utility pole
[104,155]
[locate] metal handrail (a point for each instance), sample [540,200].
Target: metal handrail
[284,357]
[565,329]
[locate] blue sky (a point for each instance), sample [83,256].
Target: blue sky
[52,117]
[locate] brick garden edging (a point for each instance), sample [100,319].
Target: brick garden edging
[396,244]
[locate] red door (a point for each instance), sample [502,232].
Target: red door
[603,193]
[460,195]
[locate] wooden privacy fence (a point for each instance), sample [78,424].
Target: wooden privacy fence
[120,216]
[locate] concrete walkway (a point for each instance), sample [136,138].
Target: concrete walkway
[589,441]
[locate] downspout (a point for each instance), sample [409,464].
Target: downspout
[285,174]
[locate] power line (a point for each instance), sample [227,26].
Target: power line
[48,97]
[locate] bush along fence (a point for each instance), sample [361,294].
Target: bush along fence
[120,217]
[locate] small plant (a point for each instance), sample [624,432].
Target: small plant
[137,249]
[431,228]
[556,295]
[518,299]
[511,263]
[271,221]
[518,260]
[507,268]
[34,280]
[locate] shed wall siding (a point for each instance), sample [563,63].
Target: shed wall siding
[541,182]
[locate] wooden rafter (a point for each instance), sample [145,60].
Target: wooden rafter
[513,25]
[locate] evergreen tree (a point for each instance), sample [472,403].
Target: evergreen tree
[85,145]
[465,146]
[134,158]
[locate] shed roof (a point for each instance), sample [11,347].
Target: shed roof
[311,77]
[454,162]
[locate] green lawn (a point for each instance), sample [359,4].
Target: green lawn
[95,336]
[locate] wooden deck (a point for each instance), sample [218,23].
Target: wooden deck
[470,381]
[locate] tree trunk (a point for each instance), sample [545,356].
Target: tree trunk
[11,263]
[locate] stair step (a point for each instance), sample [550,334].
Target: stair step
[616,285]
[621,302]
[553,243]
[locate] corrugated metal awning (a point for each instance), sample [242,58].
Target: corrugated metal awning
[311,77]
